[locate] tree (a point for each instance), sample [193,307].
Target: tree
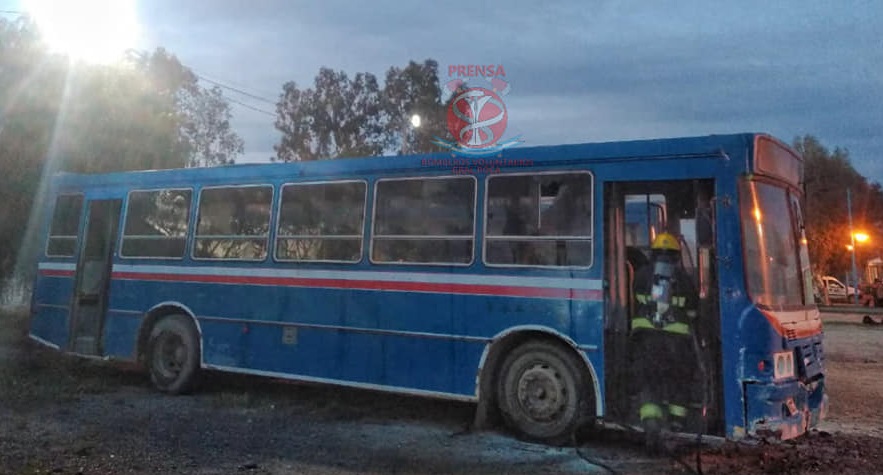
[202,116]
[31,85]
[117,119]
[206,129]
[339,117]
[58,116]
[827,176]
[414,89]
[295,121]
[342,117]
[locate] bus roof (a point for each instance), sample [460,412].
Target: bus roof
[354,167]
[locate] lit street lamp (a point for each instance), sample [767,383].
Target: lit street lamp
[854,237]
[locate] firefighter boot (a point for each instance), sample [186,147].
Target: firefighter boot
[652,423]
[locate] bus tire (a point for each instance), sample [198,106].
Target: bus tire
[173,356]
[542,392]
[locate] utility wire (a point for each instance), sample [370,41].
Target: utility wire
[247,106]
[237,90]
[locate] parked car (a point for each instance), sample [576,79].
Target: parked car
[838,291]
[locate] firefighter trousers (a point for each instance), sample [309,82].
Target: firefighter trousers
[664,377]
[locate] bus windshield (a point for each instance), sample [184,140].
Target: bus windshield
[772,268]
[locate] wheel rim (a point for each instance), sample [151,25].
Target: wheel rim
[170,355]
[542,392]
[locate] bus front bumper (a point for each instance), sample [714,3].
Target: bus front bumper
[785,410]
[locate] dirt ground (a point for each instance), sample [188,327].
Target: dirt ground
[68,416]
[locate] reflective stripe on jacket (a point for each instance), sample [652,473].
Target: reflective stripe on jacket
[679,302]
[676,327]
[680,328]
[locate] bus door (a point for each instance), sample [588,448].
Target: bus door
[93,276]
[634,213]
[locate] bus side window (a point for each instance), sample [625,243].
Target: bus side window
[156,223]
[321,222]
[548,220]
[233,222]
[62,241]
[424,220]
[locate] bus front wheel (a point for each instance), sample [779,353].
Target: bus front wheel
[173,358]
[542,392]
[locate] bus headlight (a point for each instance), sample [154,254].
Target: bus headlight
[783,365]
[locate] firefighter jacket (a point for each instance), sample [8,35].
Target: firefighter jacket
[677,317]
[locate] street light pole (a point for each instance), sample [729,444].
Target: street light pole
[852,243]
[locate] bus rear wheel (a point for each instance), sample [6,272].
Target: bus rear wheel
[542,392]
[173,358]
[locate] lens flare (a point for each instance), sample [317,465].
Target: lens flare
[95,31]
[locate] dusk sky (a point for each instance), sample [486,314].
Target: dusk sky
[580,71]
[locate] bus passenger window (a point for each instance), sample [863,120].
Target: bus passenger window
[321,222]
[539,220]
[156,223]
[65,226]
[233,223]
[424,220]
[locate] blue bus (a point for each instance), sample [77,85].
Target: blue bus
[508,283]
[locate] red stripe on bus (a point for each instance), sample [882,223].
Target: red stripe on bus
[500,290]
[434,287]
[57,273]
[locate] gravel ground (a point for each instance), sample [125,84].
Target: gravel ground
[67,416]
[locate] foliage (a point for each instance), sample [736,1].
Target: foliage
[338,117]
[201,116]
[414,90]
[31,86]
[114,120]
[206,128]
[828,174]
[343,117]
[56,115]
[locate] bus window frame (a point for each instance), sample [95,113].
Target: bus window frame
[195,235]
[125,216]
[590,239]
[322,261]
[76,237]
[789,190]
[775,150]
[428,237]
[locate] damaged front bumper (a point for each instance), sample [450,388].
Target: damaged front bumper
[785,410]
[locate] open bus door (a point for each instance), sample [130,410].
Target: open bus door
[92,277]
[634,213]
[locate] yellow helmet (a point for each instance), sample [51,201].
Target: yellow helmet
[666,242]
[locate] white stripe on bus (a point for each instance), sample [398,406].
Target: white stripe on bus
[436,278]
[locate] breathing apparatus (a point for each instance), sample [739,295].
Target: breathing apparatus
[666,251]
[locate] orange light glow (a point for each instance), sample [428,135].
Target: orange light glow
[757,214]
[861,237]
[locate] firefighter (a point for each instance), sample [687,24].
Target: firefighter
[664,358]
